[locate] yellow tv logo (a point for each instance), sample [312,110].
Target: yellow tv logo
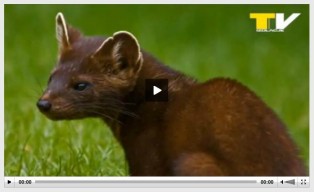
[263,21]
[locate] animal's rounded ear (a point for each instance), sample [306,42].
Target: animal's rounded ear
[66,35]
[126,45]
[123,51]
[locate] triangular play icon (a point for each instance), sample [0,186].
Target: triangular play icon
[156,90]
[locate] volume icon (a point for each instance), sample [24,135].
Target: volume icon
[292,181]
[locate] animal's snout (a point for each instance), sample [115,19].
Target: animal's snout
[44,105]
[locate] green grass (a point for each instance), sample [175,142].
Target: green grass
[202,41]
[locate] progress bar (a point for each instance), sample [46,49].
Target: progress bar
[145,181]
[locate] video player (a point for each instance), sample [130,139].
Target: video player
[156,96]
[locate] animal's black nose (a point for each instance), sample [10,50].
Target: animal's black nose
[44,105]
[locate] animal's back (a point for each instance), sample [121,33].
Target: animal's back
[222,128]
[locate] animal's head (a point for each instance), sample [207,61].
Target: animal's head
[92,74]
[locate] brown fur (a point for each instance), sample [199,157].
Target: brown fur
[215,128]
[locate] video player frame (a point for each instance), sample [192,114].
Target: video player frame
[177,95]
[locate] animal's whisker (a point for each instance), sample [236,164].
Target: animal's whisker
[98,107]
[104,115]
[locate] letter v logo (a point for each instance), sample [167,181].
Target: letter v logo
[281,23]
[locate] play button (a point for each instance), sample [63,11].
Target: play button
[156,90]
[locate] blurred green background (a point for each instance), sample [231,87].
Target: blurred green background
[203,41]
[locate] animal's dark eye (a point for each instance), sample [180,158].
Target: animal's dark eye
[80,86]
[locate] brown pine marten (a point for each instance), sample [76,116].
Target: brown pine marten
[215,128]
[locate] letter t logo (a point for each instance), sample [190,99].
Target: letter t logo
[262,19]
